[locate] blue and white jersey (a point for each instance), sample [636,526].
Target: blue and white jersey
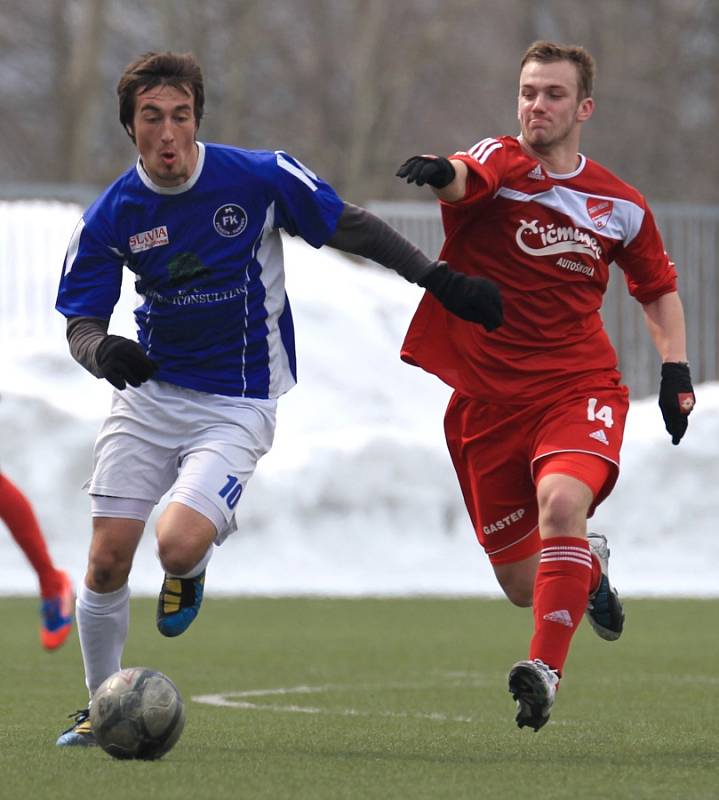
[207,256]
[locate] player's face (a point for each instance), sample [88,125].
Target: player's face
[164,125]
[549,110]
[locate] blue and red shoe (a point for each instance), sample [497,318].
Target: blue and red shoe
[57,613]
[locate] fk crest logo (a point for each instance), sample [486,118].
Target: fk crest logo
[230,220]
[599,210]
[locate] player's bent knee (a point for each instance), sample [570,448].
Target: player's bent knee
[106,575]
[563,505]
[178,558]
[173,560]
[177,566]
[560,512]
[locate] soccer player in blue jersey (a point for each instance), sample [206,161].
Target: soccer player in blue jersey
[199,226]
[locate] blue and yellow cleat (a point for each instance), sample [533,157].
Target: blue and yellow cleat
[79,734]
[179,603]
[56,613]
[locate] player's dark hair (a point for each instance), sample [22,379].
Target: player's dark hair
[547,52]
[179,70]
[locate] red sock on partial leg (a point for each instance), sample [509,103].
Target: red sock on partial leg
[16,512]
[561,591]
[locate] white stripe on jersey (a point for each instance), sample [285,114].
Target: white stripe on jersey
[471,151]
[74,245]
[302,166]
[623,225]
[484,149]
[271,260]
[296,171]
[150,325]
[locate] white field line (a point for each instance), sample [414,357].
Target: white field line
[238,700]
[447,680]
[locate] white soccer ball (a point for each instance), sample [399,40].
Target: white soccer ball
[137,713]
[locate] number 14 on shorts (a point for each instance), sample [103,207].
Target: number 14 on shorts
[603,413]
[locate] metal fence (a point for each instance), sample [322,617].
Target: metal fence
[691,236]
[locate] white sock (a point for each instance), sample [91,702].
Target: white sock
[102,624]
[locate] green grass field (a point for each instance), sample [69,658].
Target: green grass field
[396,698]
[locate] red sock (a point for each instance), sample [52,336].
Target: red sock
[561,591]
[16,512]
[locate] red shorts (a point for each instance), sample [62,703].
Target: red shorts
[496,450]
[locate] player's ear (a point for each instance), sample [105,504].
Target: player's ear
[130,132]
[585,109]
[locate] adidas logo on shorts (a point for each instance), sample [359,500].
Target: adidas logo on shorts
[600,436]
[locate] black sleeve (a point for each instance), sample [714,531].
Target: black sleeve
[84,335]
[363,234]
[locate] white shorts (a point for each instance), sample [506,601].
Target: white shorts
[204,447]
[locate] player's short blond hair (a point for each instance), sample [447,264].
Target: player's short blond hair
[547,52]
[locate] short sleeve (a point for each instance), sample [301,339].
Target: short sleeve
[486,164]
[648,270]
[307,206]
[92,272]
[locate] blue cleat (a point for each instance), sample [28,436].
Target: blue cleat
[79,734]
[604,610]
[179,603]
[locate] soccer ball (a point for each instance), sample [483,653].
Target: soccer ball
[137,713]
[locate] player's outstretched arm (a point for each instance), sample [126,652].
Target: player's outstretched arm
[448,178]
[472,298]
[115,358]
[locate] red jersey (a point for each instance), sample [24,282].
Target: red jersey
[547,242]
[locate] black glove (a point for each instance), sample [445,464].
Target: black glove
[471,298]
[123,361]
[437,171]
[676,398]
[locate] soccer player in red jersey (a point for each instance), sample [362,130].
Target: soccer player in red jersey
[55,586]
[536,421]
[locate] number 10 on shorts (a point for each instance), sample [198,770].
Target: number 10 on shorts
[603,414]
[231,491]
